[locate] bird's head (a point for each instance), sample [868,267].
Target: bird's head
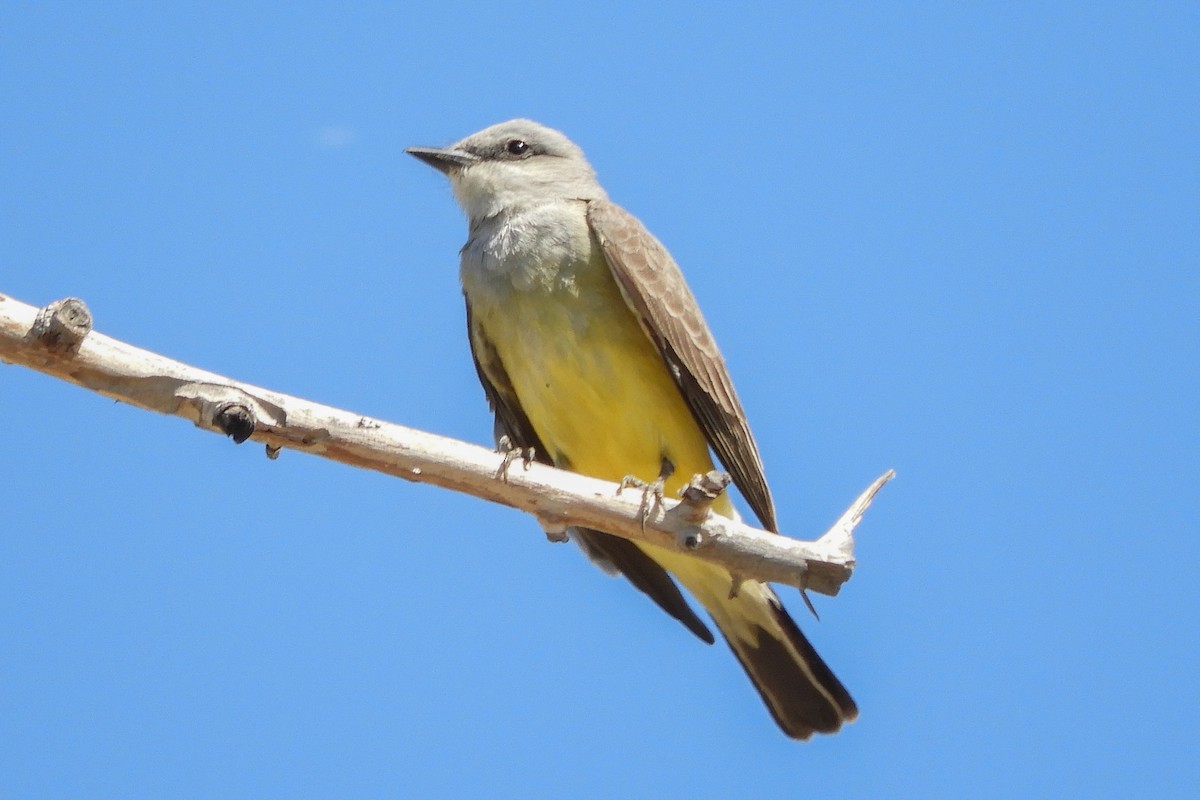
[512,166]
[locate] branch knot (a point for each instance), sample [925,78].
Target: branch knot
[61,326]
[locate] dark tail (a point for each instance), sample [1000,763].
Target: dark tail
[801,692]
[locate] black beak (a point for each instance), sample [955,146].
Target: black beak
[443,161]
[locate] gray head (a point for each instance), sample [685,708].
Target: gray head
[512,166]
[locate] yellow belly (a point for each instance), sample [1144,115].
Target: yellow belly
[592,383]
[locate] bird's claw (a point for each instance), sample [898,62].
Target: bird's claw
[509,453]
[652,494]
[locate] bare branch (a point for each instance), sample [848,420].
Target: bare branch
[58,341]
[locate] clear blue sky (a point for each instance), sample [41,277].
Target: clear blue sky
[959,240]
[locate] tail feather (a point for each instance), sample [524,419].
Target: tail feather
[799,689]
[801,692]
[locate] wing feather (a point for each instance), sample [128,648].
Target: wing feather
[655,290]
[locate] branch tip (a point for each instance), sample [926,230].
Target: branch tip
[809,604]
[698,496]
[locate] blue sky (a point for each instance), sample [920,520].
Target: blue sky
[957,240]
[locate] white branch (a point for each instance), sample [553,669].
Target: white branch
[58,341]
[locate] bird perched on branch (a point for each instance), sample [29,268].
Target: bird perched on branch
[593,352]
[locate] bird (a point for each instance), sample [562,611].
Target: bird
[594,357]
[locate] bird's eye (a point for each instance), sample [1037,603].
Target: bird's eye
[518,147]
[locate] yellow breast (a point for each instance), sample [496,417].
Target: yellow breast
[588,377]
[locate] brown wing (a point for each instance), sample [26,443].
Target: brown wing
[612,553]
[656,291]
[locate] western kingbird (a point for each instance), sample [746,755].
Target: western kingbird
[593,352]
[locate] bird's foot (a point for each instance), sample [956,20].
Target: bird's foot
[509,453]
[652,492]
